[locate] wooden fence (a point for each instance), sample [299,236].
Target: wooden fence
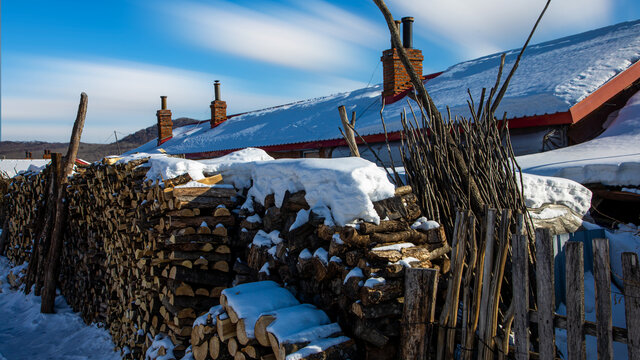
[489,311]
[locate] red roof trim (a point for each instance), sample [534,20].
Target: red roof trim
[165,140]
[560,118]
[605,92]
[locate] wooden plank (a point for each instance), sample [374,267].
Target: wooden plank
[546,293]
[575,300]
[485,280]
[211,180]
[631,274]
[520,273]
[560,322]
[418,312]
[602,278]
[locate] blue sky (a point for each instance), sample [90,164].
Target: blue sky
[125,54]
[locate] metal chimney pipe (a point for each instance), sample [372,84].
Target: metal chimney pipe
[398,22]
[163,100]
[407,32]
[216,86]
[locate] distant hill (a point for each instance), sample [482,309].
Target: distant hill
[86,151]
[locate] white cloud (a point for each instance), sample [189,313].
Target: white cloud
[315,36]
[40,95]
[475,28]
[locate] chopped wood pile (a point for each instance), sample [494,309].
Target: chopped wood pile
[274,327]
[146,259]
[355,273]
[138,257]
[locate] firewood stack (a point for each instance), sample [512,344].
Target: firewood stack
[262,320]
[355,273]
[140,257]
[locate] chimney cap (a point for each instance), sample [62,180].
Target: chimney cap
[407,18]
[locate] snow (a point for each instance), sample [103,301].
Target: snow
[337,239]
[313,333]
[323,255]
[242,299]
[342,190]
[294,319]
[548,213]
[406,262]
[25,333]
[160,341]
[396,247]
[13,167]
[265,269]
[541,190]
[302,217]
[374,281]
[552,77]
[612,158]
[631,190]
[316,347]
[264,239]
[255,218]
[335,259]
[355,272]
[305,254]
[213,312]
[424,224]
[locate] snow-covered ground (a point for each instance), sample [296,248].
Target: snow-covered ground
[27,334]
[613,158]
[12,167]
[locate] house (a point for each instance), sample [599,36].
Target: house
[561,94]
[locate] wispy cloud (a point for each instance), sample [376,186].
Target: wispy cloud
[315,35]
[41,94]
[475,28]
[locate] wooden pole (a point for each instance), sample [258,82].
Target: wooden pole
[53,258]
[546,293]
[602,279]
[520,267]
[631,275]
[418,312]
[348,134]
[575,300]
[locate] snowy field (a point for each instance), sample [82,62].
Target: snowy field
[27,334]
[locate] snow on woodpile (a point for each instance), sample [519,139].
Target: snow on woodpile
[14,167]
[613,158]
[346,186]
[543,190]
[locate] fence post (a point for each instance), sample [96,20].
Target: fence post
[602,279]
[418,312]
[546,293]
[520,273]
[575,300]
[631,274]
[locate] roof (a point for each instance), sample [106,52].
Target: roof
[612,158]
[552,78]
[12,167]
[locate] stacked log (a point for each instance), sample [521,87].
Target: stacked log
[140,257]
[355,273]
[262,320]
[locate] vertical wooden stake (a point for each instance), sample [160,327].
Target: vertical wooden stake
[418,312]
[631,274]
[55,249]
[575,300]
[546,293]
[520,272]
[602,278]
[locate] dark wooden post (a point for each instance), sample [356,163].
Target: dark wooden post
[520,272]
[418,312]
[631,274]
[575,300]
[602,279]
[53,258]
[546,293]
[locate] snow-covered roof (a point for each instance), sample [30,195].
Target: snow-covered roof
[552,77]
[16,166]
[613,158]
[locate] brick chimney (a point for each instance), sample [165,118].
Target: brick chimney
[396,78]
[218,107]
[165,125]
[46,154]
